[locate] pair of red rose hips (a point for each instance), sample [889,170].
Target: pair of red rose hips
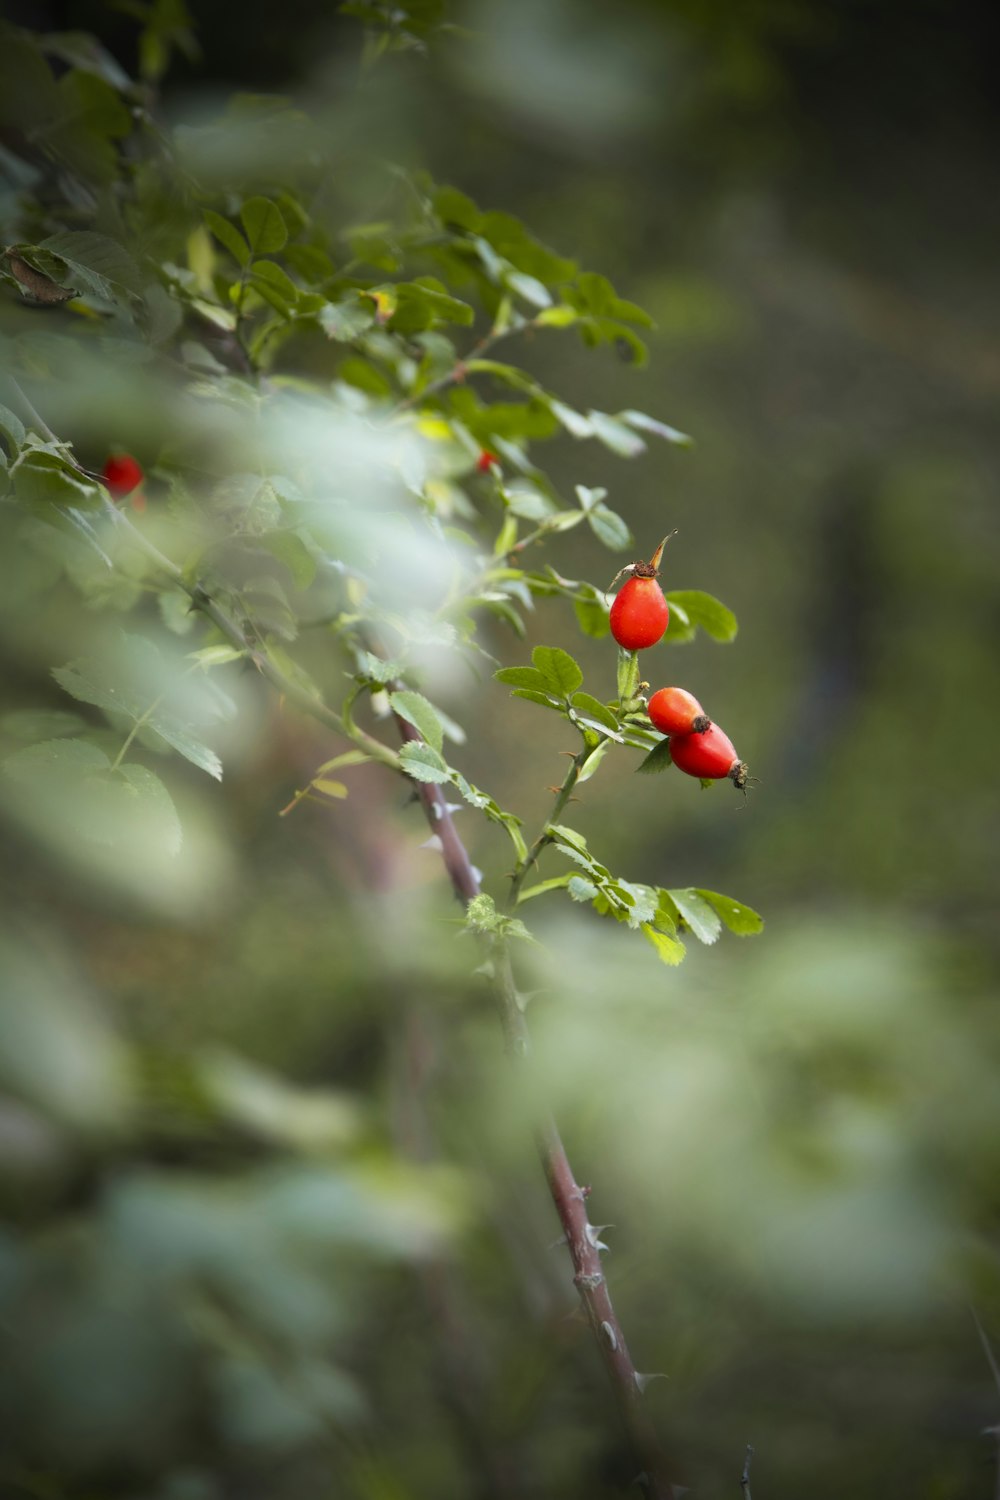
[639,618]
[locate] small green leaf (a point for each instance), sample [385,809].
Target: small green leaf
[228,235]
[581,889]
[330,788]
[557,883]
[742,920]
[545,699]
[669,949]
[523,677]
[11,430]
[658,759]
[616,435]
[415,709]
[265,228]
[609,528]
[595,709]
[593,760]
[573,421]
[669,434]
[705,610]
[698,913]
[561,673]
[528,287]
[423,763]
[559,316]
[348,318]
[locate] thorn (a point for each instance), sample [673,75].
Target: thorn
[642,1381]
[585,1192]
[610,1335]
[434,842]
[594,1232]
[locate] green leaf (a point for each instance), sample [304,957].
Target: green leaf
[40,724]
[154,811]
[523,677]
[592,617]
[698,913]
[557,883]
[137,683]
[348,318]
[616,435]
[545,699]
[44,478]
[742,920]
[528,287]
[669,949]
[595,709]
[97,264]
[274,285]
[657,760]
[561,673]
[290,549]
[581,889]
[265,228]
[11,430]
[415,709]
[593,760]
[559,316]
[640,420]
[228,235]
[453,207]
[423,763]
[705,610]
[573,421]
[609,528]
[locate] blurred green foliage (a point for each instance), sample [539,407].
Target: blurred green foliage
[271,1216]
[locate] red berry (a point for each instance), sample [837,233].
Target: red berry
[711,756]
[487,461]
[122,474]
[640,613]
[674,711]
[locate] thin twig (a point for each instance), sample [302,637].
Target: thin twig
[991,1360]
[562,797]
[745,1476]
[458,370]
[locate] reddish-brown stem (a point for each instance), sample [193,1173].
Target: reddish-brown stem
[569,1199]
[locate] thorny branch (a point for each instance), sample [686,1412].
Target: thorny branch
[569,1198]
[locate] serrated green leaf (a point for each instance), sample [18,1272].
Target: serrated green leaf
[264,225]
[657,760]
[698,913]
[742,920]
[50,479]
[97,264]
[522,677]
[669,949]
[595,709]
[563,834]
[228,235]
[423,763]
[415,709]
[704,610]
[561,673]
[609,528]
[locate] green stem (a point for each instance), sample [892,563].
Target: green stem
[457,371]
[562,797]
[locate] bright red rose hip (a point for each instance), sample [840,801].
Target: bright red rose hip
[640,614]
[122,474]
[710,756]
[673,710]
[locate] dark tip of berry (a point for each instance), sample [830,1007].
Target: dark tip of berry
[739,775]
[700,724]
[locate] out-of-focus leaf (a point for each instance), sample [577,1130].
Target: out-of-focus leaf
[703,609]
[264,225]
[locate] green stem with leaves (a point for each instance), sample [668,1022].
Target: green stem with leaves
[562,797]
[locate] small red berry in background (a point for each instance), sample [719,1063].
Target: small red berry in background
[710,756]
[673,710]
[123,476]
[487,461]
[640,613]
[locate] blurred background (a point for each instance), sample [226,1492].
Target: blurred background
[274,1224]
